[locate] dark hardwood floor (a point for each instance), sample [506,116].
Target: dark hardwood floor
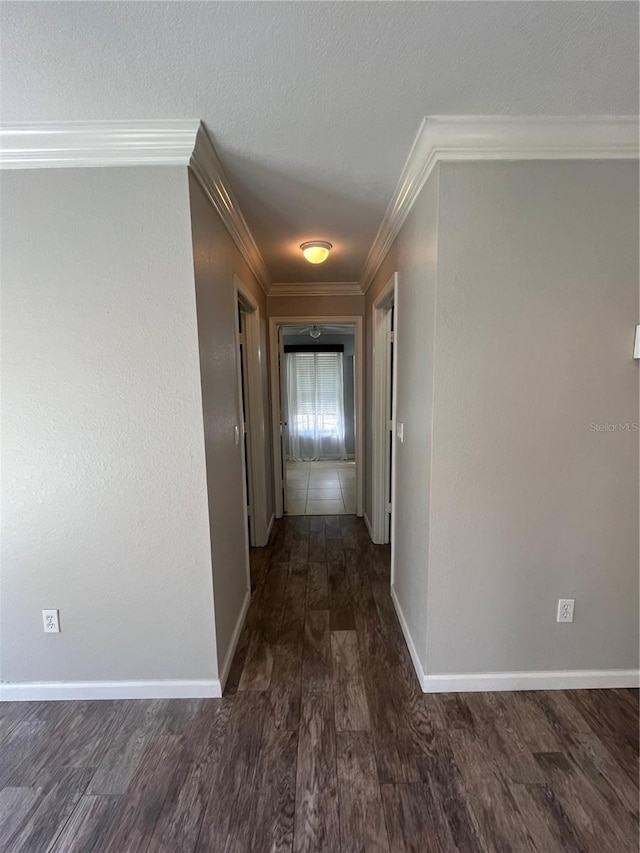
[323,741]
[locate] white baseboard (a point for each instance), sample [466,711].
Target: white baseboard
[369,527]
[582,679]
[51,691]
[226,666]
[270,527]
[409,640]
[488,682]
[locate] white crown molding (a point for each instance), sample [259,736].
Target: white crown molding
[207,168]
[473,138]
[318,288]
[51,691]
[48,145]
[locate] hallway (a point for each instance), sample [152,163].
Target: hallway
[323,741]
[321,488]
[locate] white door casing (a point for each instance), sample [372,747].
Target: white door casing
[256,419]
[383,405]
[274,343]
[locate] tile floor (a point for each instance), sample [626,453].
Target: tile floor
[321,488]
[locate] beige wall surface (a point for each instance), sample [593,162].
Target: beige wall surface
[414,256]
[537,303]
[216,260]
[315,306]
[511,490]
[104,497]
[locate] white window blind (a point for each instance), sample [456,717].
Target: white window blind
[316,405]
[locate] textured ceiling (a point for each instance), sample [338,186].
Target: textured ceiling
[313,106]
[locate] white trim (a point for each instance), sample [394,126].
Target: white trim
[394,434]
[244,461]
[207,168]
[235,637]
[256,432]
[467,138]
[380,415]
[368,525]
[474,682]
[47,145]
[317,288]
[408,640]
[581,679]
[276,428]
[79,144]
[50,691]
[270,527]
[274,324]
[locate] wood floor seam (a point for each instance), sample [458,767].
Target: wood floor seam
[323,741]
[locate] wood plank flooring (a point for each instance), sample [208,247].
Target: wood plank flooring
[323,741]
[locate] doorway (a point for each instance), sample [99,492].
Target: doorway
[384,382]
[317,393]
[251,418]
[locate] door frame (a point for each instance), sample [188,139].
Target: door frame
[256,432]
[274,328]
[383,453]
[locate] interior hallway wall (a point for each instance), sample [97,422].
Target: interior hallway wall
[316,306]
[414,255]
[104,496]
[527,498]
[537,305]
[216,259]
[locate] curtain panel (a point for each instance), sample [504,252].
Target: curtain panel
[315,402]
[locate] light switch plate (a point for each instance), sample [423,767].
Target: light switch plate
[400,431]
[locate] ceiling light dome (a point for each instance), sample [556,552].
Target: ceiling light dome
[316,251]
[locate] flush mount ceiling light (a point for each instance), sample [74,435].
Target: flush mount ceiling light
[316,251]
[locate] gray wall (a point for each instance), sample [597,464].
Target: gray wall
[415,258]
[348,378]
[525,342]
[537,303]
[216,259]
[104,496]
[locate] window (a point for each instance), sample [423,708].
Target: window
[316,405]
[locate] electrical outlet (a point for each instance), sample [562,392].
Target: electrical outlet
[565,609]
[51,620]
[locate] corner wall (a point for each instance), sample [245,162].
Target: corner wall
[216,259]
[515,497]
[537,304]
[315,306]
[415,256]
[104,496]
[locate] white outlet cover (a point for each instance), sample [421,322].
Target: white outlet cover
[51,621]
[565,609]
